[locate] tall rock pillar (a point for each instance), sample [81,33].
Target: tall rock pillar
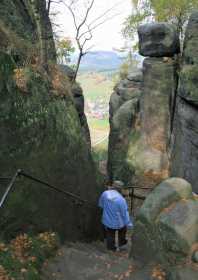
[160,42]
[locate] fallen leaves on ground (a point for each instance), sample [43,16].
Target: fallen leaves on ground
[158,273]
[24,256]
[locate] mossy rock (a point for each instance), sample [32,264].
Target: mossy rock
[41,133]
[166,225]
[189,83]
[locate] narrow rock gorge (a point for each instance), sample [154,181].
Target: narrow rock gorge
[153,143]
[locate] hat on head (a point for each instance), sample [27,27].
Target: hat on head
[118,184]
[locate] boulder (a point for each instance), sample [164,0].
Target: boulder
[158,40]
[166,228]
[169,191]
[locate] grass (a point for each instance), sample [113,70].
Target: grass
[99,124]
[96,85]
[100,151]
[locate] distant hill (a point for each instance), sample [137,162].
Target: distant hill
[100,61]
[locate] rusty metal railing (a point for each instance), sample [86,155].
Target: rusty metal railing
[20,172]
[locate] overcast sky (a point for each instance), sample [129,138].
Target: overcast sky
[108,35]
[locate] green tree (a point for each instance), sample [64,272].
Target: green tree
[174,11]
[64,50]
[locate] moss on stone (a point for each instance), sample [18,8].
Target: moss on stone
[189,83]
[41,133]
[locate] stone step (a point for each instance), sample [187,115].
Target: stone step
[81,261]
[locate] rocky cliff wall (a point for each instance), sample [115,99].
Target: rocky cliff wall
[184,161]
[40,130]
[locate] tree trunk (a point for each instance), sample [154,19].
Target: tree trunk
[77,65]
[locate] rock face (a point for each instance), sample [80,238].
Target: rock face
[166,229]
[185,128]
[158,92]
[40,130]
[143,150]
[78,96]
[158,40]
[124,108]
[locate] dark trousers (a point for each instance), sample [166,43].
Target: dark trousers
[109,234]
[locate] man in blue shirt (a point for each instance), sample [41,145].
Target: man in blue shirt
[115,216]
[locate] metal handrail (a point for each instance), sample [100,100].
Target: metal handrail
[132,194]
[30,177]
[11,184]
[137,187]
[66,193]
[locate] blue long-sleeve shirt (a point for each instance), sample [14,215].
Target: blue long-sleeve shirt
[115,210]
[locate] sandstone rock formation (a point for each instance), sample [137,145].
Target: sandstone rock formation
[78,96]
[161,138]
[158,40]
[124,108]
[40,129]
[159,85]
[166,229]
[143,150]
[184,162]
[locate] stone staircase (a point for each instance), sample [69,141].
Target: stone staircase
[81,261]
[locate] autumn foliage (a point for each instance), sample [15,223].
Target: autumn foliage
[24,256]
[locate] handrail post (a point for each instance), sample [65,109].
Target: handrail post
[9,187]
[132,196]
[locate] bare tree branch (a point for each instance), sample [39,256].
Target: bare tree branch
[83,26]
[69,7]
[87,14]
[106,12]
[97,25]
